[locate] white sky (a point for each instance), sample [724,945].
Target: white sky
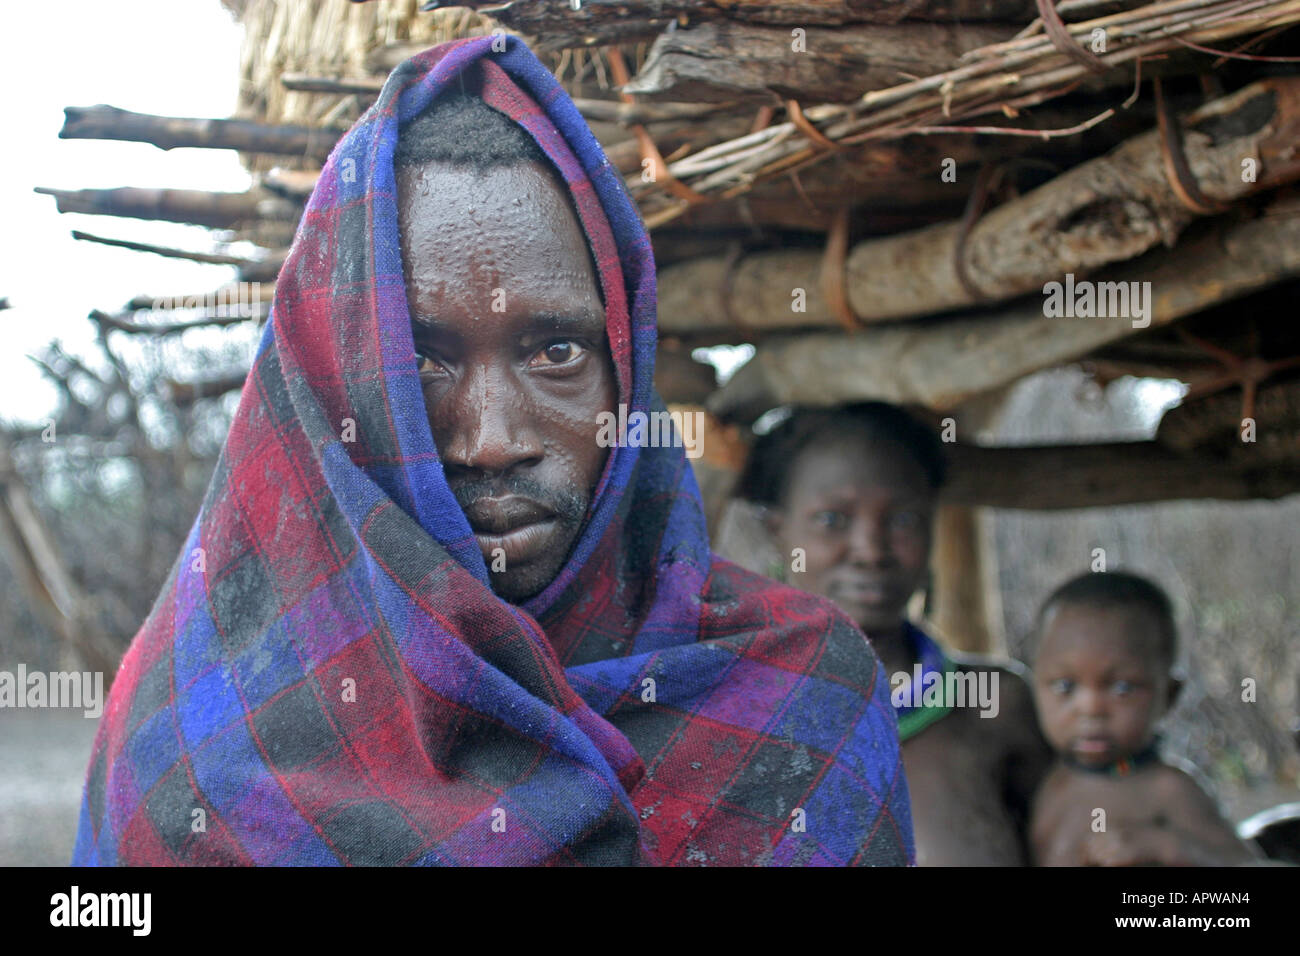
[171,57]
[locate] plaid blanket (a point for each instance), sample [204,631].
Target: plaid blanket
[327,677]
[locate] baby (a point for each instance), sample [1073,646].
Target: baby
[1102,681]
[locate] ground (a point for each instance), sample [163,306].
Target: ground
[43,757]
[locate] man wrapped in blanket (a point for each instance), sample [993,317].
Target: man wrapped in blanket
[424,616]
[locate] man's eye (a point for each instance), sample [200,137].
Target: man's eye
[557,353]
[427,365]
[1062,686]
[1123,688]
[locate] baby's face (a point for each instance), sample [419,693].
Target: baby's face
[1099,682]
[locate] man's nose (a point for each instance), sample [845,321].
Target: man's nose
[486,423]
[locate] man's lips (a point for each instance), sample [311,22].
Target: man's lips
[502,515]
[518,526]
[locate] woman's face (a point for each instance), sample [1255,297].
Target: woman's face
[861,512]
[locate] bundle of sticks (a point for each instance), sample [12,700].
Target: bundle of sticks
[1046,60]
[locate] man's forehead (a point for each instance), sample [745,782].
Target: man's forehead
[510,235]
[579,320]
[465,189]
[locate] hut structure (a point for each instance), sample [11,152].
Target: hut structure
[920,201]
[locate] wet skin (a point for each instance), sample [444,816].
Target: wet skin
[1101,687]
[863,515]
[515,366]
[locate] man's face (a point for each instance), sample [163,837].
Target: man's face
[514,362]
[862,514]
[1099,682]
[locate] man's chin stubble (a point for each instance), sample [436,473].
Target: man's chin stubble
[522,584]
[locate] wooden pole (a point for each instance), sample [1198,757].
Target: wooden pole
[822,65]
[941,364]
[170,132]
[211,209]
[250,270]
[960,613]
[1060,477]
[1107,210]
[598,22]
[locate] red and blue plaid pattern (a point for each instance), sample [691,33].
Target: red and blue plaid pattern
[327,677]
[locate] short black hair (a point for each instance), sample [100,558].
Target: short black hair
[1107,589]
[460,129]
[766,477]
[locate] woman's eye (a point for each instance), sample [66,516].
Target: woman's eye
[1062,686]
[831,519]
[557,353]
[1122,687]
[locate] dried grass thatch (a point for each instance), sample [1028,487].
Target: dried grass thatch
[327,39]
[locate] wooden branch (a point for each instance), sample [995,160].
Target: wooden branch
[294,184]
[241,296]
[170,132]
[48,584]
[1103,211]
[939,364]
[629,114]
[214,210]
[250,270]
[306,83]
[556,25]
[187,393]
[609,111]
[625,154]
[894,186]
[120,324]
[1009,76]
[730,61]
[1056,477]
